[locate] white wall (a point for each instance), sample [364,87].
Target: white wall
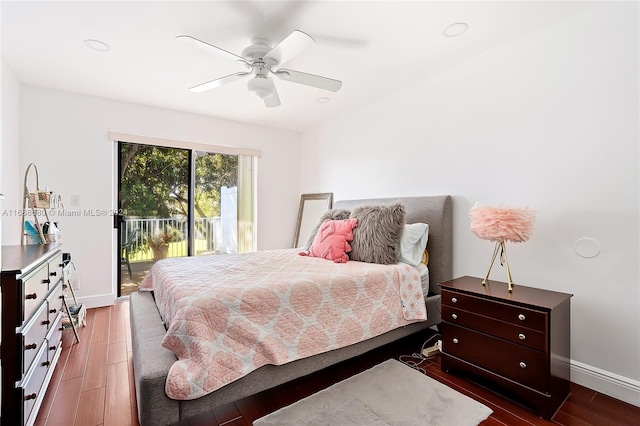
[66,135]
[10,180]
[549,121]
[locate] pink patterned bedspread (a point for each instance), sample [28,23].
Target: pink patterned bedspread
[227,315]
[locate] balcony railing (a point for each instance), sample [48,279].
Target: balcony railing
[208,236]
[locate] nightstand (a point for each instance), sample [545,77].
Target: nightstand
[517,344]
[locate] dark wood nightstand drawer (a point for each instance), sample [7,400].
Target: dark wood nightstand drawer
[517,315]
[512,332]
[515,362]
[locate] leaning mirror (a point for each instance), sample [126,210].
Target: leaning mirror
[312,206]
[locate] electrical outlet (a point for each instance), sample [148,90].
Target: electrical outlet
[75,283]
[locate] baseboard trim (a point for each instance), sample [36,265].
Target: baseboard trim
[96,301]
[611,384]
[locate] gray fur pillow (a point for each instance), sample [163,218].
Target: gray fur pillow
[332,214]
[377,237]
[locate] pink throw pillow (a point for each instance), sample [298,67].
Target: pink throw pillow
[332,240]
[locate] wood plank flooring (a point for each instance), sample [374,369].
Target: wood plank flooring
[93,385]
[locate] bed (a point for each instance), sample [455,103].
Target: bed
[152,362]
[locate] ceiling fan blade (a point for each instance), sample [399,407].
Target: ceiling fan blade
[309,79]
[293,45]
[218,82]
[203,45]
[273,100]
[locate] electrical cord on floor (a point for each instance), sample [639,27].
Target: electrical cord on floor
[411,362]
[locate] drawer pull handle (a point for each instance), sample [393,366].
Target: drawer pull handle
[46,363]
[46,322]
[28,397]
[52,348]
[454,316]
[54,274]
[521,336]
[523,365]
[521,317]
[31,296]
[31,346]
[47,281]
[455,340]
[53,311]
[454,300]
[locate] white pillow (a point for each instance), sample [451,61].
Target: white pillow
[413,243]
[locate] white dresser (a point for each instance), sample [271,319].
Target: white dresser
[31,327]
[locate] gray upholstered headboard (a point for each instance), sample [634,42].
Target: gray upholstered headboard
[437,212]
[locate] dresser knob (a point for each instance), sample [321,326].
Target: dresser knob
[455,340]
[53,311]
[53,274]
[46,363]
[454,316]
[31,346]
[523,365]
[454,300]
[521,336]
[47,281]
[46,322]
[521,317]
[53,348]
[28,397]
[31,296]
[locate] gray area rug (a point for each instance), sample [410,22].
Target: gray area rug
[390,393]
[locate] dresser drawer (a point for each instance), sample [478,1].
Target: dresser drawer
[32,337]
[34,289]
[31,387]
[508,331]
[518,363]
[524,317]
[54,337]
[54,300]
[55,268]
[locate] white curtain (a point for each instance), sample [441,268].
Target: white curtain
[247,178]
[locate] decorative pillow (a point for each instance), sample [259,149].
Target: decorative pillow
[413,243]
[332,240]
[332,214]
[377,238]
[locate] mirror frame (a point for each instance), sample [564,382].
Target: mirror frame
[327,196]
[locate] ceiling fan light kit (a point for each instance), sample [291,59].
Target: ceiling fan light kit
[261,87]
[262,59]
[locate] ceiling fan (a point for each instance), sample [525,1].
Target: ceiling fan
[262,60]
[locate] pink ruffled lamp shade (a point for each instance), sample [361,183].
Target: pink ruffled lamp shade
[501,224]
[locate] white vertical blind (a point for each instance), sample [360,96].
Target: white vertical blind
[247,165]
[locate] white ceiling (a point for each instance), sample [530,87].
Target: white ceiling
[374,47]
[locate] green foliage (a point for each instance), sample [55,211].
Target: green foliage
[155,181]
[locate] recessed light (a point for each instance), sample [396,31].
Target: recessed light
[456,29]
[97,45]
[323,100]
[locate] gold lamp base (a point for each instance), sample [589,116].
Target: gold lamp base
[501,245]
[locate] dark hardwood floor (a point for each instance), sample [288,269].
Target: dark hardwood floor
[93,385]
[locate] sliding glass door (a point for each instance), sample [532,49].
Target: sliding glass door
[173,202]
